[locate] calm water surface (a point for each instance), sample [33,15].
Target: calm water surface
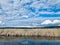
[29,41]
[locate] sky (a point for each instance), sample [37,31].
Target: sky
[29,13]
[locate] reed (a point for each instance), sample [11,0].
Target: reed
[54,32]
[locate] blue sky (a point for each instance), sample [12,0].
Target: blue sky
[28,13]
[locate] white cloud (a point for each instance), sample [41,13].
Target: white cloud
[24,16]
[56,21]
[50,22]
[1,23]
[46,22]
[44,12]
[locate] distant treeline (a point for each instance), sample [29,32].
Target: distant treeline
[29,27]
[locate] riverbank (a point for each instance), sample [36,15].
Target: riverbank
[6,38]
[54,32]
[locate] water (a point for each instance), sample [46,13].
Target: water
[29,41]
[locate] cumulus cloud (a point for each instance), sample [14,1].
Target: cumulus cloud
[50,22]
[46,22]
[56,21]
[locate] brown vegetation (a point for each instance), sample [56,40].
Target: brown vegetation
[55,32]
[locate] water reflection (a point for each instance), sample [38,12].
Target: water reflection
[28,37]
[4,40]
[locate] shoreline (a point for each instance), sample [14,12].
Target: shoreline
[51,32]
[6,38]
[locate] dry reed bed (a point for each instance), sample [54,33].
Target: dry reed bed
[31,32]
